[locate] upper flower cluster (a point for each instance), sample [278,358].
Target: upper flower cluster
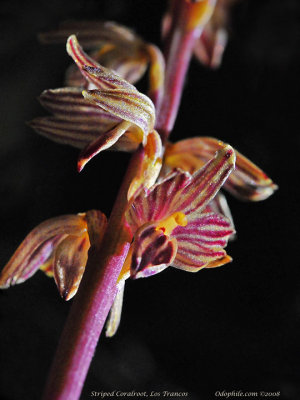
[175,213]
[115,109]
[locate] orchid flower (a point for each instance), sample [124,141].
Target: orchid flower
[59,247]
[115,47]
[114,110]
[173,224]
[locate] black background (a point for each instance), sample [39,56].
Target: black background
[233,328]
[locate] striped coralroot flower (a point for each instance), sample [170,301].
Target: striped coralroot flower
[113,46]
[247,181]
[174,223]
[171,224]
[59,247]
[113,114]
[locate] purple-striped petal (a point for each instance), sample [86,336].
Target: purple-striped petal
[247,181]
[38,246]
[71,254]
[201,241]
[119,48]
[70,260]
[69,104]
[102,142]
[128,104]
[152,252]
[102,78]
[219,205]
[76,134]
[179,192]
[82,59]
[205,183]
[155,204]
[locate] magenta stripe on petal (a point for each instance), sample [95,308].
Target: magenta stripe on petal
[205,183]
[154,204]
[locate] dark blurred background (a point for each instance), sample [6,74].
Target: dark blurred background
[233,328]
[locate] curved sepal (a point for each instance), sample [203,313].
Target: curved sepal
[119,48]
[71,254]
[102,142]
[101,77]
[205,183]
[247,181]
[126,103]
[69,104]
[78,134]
[37,247]
[69,264]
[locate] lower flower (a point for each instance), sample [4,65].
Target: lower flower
[173,224]
[59,247]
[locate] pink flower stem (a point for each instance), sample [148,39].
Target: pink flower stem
[98,287]
[92,303]
[184,30]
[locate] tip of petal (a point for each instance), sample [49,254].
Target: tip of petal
[221,261]
[68,295]
[228,152]
[71,39]
[4,284]
[81,163]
